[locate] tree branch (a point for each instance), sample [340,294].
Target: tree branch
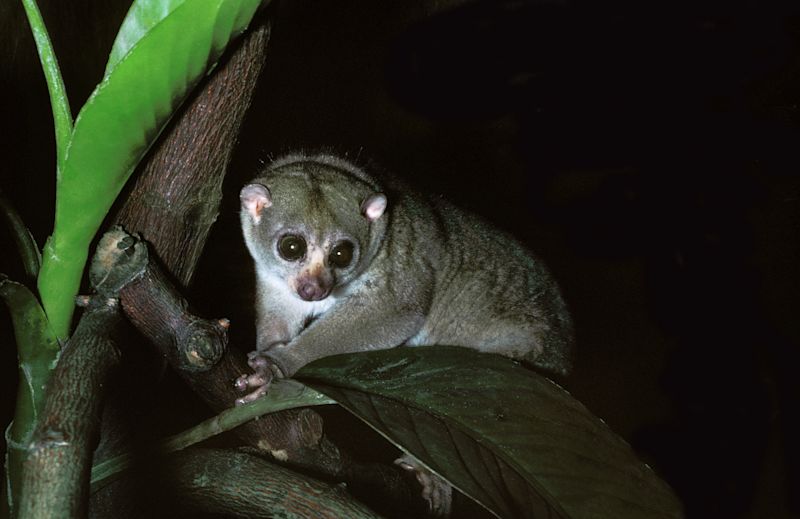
[240,485]
[56,471]
[157,309]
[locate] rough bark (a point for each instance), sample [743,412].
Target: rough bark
[241,485]
[161,314]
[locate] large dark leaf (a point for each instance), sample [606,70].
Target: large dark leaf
[511,439]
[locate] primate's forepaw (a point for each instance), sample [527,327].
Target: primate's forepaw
[264,372]
[435,490]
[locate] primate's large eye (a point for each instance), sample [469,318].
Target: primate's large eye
[292,247]
[341,255]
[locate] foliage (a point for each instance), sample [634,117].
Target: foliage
[502,434]
[142,87]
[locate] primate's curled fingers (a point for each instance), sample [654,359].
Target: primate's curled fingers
[260,380]
[258,393]
[264,372]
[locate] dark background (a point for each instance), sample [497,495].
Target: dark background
[651,159]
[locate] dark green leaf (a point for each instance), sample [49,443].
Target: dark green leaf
[23,239]
[511,439]
[37,351]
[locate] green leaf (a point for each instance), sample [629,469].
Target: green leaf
[23,239]
[150,73]
[145,15]
[502,434]
[141,18]
[283,394]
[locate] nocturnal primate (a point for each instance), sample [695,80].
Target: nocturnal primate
[345,264]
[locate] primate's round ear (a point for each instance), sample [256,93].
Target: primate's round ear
[255,198]
[374,206]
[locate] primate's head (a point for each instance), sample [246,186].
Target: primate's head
[310,222]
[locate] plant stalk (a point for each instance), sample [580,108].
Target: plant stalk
[59,102]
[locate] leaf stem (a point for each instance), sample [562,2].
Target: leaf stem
[62,115]
[284,394]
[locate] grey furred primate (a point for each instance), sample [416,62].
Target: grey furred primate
[344,265]
[347,264]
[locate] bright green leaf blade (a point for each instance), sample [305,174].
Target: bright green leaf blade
[37,351]
[116,126]
[502,434]
[141,18]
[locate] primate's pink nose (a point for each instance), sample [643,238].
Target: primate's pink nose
[311,290]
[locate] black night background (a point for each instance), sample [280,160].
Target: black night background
[652,159]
